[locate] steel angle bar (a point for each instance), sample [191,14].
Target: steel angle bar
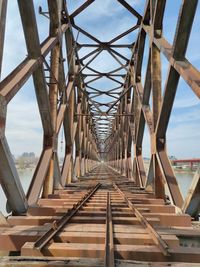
[155,236]
[109,260]
[59,224]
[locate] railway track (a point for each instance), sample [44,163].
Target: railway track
[109,257]
[58,225]
[109,260]
[102,221]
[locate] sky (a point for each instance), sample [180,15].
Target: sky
[23,127]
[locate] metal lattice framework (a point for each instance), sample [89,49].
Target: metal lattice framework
[99,130]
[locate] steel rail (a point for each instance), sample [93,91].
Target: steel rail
[59,224]
[109,260]
[155,236]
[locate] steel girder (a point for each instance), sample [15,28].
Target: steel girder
[94,130]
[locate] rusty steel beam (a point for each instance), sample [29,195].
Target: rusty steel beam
[191,204]
[39,176]
[155,236]
[10,181]
[26,9]
[3,12]
[16,79]
[59,224]
[187,71]
[109,259]
[81,8]
[130,9]
[96,130]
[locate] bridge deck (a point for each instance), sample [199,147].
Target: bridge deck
[118,220]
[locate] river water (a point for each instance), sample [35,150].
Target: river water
[184,180]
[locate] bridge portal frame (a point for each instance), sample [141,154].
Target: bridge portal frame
[67,101]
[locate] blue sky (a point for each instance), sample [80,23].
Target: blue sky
[24,130]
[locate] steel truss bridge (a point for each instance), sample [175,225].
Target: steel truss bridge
[114,213]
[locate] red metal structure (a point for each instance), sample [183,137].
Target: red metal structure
[114,214]
[186,161]
[190,162]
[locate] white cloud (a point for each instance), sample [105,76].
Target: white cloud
[186,102]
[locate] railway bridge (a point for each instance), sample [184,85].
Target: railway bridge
[101,207]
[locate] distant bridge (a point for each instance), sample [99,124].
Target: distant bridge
[190,162]
[185,161]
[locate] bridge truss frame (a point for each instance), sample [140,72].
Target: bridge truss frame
[67,101]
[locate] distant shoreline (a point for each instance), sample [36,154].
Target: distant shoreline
[175,169]
[146,164]
[183,171]
[30,167]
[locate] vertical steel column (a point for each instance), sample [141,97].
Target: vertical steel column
[3,12]
[53,96]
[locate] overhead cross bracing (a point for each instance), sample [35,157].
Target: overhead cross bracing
[103,108]
[104,88]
